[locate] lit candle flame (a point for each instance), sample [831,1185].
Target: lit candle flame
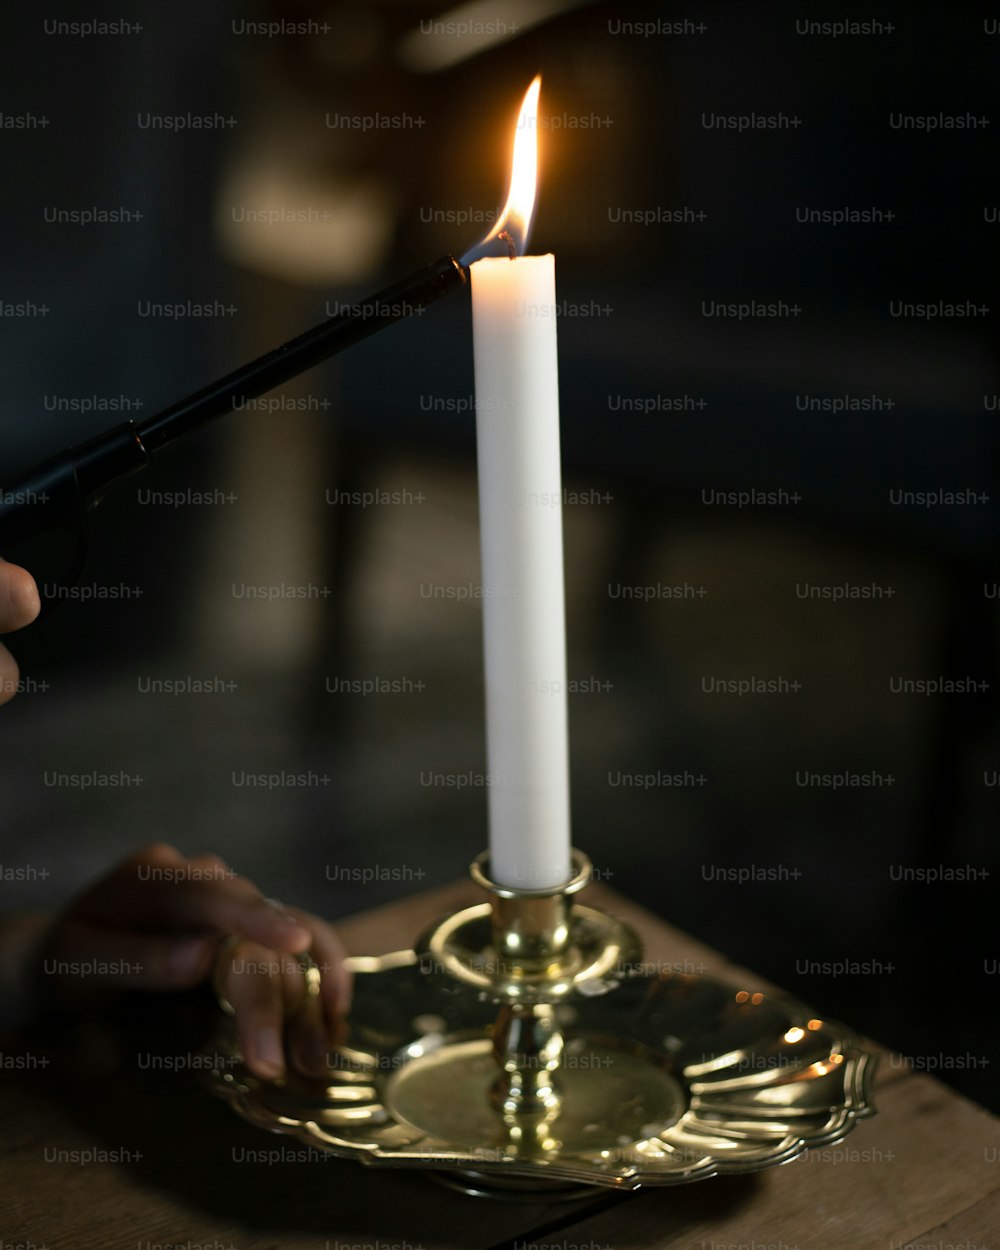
[514,223]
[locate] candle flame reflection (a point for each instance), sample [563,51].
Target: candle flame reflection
[515,220]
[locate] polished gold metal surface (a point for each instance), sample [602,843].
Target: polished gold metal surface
[531,946]
[669,1078]
[531,928]
[559,1060]
[542,950]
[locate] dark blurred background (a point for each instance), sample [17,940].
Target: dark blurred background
[237,564]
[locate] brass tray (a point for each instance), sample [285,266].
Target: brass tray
[667,1078]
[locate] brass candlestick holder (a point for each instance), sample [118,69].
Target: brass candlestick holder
[524,1046]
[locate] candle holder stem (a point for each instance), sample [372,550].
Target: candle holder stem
[528,1048]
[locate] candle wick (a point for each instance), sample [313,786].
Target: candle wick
[505,235]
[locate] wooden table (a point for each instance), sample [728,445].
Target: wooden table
[180,1170]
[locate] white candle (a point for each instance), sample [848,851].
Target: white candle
[520,515]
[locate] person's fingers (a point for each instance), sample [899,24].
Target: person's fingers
[210,865]
[316,1022]
[158,888]
[19,598]
[9,675]
[113,899]
[253,980]
[193,900]
[19,605]
[229,907]
[285,1007]
[329,953]
[81,960]
[158,854]
[309,1037]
